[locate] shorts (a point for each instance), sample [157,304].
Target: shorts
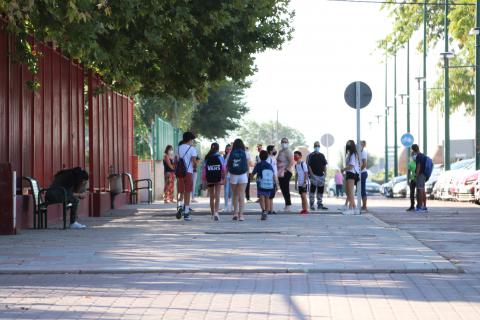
[421,181]
[265,193]
[185,184]
[352,176]
[302,190]
[239,178]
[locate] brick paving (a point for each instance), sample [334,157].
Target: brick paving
[247,276]
[241,296]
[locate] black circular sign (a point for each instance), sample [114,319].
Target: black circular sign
[351,94]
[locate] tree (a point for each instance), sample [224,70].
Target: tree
[220,114]
[156,47]
[409,18]
[265,133]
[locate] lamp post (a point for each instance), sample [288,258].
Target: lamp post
[386,118]
[395,143]
[477,87]
[419,84]
[447,55]
[402,96]
[424,78]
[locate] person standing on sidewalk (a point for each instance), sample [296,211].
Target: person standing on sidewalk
[169,174]
[363,174]
[272,153]
[317,165]
[213,176]
[412,182]
[352,170]
[338,184]
[284,167]
[226,187]
[265,183]
[420,161]
[237,164]
[301,180]
[250,168]
[186,156]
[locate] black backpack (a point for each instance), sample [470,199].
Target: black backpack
[213,169]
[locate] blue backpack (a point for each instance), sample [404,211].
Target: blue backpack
[237,162]
[427,170]
[265,180]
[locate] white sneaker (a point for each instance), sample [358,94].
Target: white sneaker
[77,225]
[348,212]
[357,211]
[286,209]
[342,208]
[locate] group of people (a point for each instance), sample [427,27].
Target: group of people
[234,168]
[416,180]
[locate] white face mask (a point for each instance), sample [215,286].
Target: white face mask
[285,145]
[170,153]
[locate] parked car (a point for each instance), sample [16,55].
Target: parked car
[446,179]
[464,187]
[430,184]
[477,191]
[389,189]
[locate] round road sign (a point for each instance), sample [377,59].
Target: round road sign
[351,94]
[407,140]
[327,140]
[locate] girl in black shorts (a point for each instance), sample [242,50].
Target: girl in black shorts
[352,171]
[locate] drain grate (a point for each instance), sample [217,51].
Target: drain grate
[243,232]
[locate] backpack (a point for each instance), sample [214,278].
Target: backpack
[237,162]
[181,168]
[427,170]
[213,170]
[265,180]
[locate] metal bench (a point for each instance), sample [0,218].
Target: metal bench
[134,188]
[40,204]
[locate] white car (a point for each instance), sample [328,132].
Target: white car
[446,179]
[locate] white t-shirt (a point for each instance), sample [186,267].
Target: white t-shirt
[301,168]
[352,160]
[363,156]
[249,159]
[187,155]
[273,163]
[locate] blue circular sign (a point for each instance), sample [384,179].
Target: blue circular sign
[407,140]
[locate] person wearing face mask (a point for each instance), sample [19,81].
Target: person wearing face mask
[284,167]
[352,170]
[169,174]
[272,153]
[317,165]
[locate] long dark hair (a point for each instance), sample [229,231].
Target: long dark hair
[167,148]
[213,149]
[238,145]
[351,149]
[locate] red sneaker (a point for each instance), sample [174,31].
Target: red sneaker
[303,212]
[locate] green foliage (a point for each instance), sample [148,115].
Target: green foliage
[409,18]
[143,146]
[156,47]
[221,113]
[265,133]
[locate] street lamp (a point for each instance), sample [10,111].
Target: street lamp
[387,112]
[476,32]
[395,133]
[447,55]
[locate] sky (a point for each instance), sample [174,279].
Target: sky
[334,44]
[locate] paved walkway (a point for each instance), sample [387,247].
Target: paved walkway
[241,296]
[152,240]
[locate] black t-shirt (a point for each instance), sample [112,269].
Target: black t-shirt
[317,161]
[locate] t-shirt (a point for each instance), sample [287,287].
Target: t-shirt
[284,161]
[412,166]
[273,162]
[187,155]
[338,178]
[259,167]
[352,160]
[301,168]
[317,163]
[248,161]
[420,161]
[363,156]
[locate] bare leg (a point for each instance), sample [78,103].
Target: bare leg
[241,198]
[217,190]
[263,203]
[235,195]
[211,193]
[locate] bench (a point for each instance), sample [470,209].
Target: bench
[134,188]
[40,204]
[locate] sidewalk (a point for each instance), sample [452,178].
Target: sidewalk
[148,238]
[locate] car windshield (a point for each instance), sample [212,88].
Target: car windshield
[463,164]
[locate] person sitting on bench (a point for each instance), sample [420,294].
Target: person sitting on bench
[75,183]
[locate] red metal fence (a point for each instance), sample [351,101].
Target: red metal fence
[44,131]
[110,134]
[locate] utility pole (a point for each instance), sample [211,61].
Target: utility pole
[425,139]
[477,87]
[446,56]
[395,143]
[386,117]
[408,108]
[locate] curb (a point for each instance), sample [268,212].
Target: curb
[231,271]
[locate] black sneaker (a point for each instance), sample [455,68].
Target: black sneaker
[321,207]
[179,213]
[264,216]
[273,212]
[312,207]
[187,217]
[410,209]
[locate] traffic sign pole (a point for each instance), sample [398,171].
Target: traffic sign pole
[359,183]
